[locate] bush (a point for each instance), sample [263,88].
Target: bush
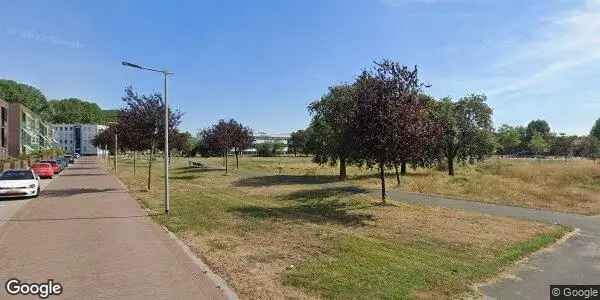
[269,149]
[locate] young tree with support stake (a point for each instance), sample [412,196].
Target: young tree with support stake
[142,120]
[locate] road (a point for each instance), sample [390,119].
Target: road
[86,233]
[575,261]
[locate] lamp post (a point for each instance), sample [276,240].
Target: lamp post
[165,73]
[116,149]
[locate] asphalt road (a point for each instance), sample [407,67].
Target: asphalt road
[575,261]
[86,233]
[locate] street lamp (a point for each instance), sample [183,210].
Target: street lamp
[116,149]
[166,152]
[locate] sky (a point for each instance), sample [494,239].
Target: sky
[263,62]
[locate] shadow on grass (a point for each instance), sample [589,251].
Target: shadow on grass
[286,179]
[316,206]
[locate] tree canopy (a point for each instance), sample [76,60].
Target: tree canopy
[74,110]
[331,128]
[595,132]
[31,97]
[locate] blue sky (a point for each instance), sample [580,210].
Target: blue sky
[262,62]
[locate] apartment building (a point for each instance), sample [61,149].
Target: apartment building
[27,132]
[3,130]
[77,138]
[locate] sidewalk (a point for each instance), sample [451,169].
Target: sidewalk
[86,233]
[576,261]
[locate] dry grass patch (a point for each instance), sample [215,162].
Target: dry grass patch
[306,237]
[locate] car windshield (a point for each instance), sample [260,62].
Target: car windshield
[16,175]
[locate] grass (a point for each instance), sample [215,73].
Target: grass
[558,185]
[285,228]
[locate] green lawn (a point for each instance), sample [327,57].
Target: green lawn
[285,228]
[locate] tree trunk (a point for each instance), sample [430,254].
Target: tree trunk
[403,168]
[225,162]
[451,166]
[342,168]
[382,175]
[397,174]
[237,163]
[150,165]
[134,157]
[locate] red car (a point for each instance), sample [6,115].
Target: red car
[54,164]
[43,170]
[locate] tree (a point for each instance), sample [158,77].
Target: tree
[539,126]
[297,142]
[142,119]
[74,110]
[537,144]
[586,146]
[595,132]
[466,128]
[562,145]
[332,118]
[388,116]
[222,138]
[509,139]
[181,142]
[243,139]
[31,97]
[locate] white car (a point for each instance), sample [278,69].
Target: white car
[19,183]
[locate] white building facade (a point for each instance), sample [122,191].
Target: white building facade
[261,137]
[77,138]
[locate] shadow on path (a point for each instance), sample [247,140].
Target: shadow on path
[78,191]
[76,218]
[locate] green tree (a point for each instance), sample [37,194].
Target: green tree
[27,95]
[539,126]
[509,138]
[538,144]
[466,126]
[595,132]
[330,128]
[74,110]
[297,142]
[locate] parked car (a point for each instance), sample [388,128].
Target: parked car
[62,162]
[19,183]
[43,170]
[77,155]
[70,158]
[55,166]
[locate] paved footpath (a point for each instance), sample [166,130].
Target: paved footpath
[88,234]
[576,261]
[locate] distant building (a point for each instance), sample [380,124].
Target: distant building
[27,132]
[261,137]
[77,138]
[3,129]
